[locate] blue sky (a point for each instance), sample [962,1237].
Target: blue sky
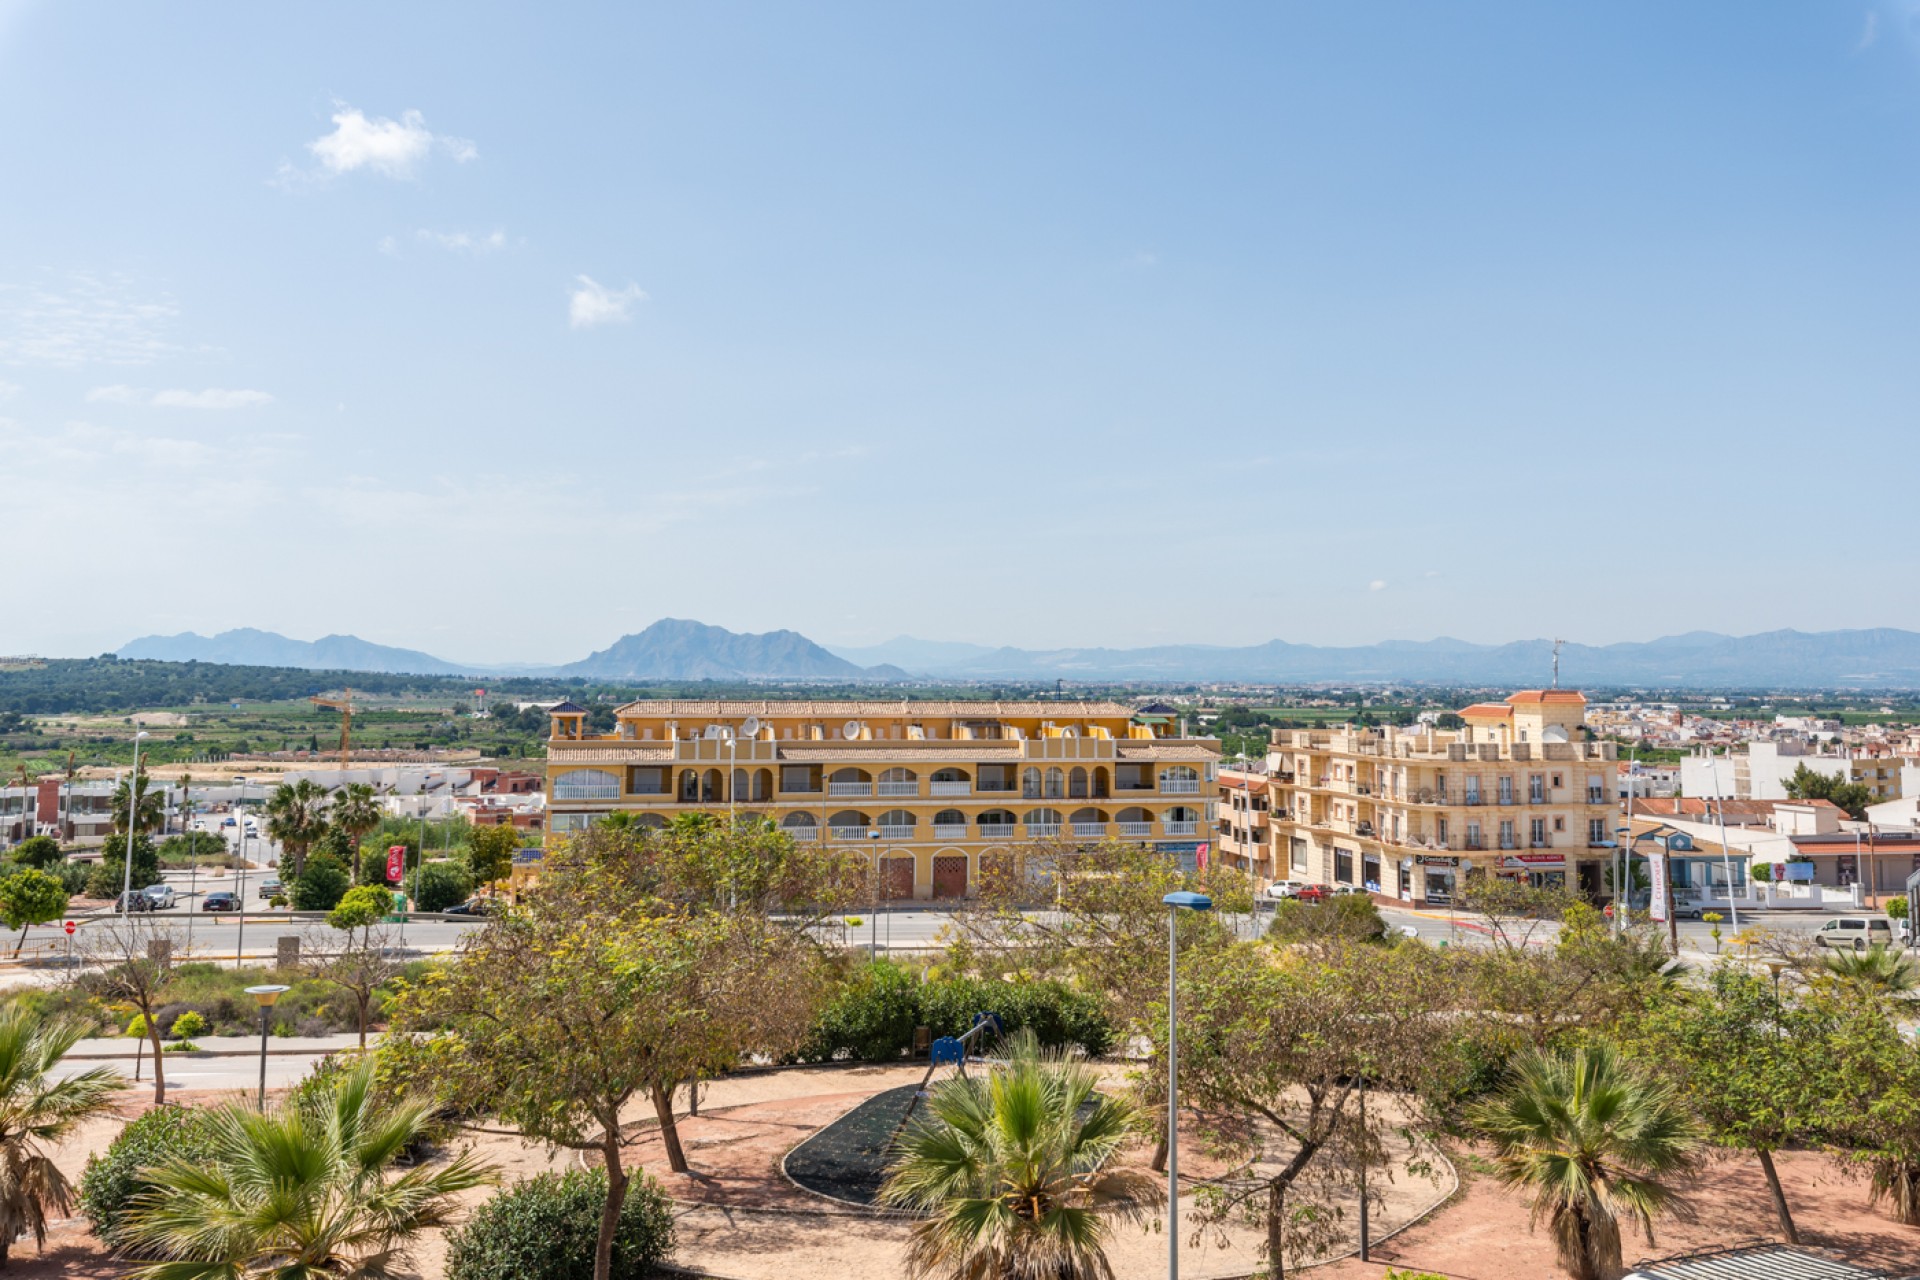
[500,331]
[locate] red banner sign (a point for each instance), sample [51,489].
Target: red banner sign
[396,863]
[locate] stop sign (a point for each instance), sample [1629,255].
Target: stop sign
[70,927]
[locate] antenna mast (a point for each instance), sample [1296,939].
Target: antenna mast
[1556,662]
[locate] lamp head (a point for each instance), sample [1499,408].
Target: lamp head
[138,736]
[1774,966]
[1190,901]
[266,995]
[873,833]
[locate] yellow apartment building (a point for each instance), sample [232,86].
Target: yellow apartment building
[1518,791]
[936,790]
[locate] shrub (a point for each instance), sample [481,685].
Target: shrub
[1350,916]
[373,864]
[1897,908]
[138,1026]
[321,885]
[874,1015]
[38,851]
[545,1229]
[188,1025]
[440,885]
[112,1179]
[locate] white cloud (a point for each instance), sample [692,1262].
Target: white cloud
[87,319]
[391,148]
[211,398]
[389,246]
[8,390]
[593,303]
[464,241]
[1378,584]
[1869,32]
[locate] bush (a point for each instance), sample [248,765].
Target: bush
[321,885]
[73,876]
[1350,916]
[1897,908]
[38,851]
[188,1025]
[112,1180]
[373,864]
[440,885]
[545,1229]
[874,1015]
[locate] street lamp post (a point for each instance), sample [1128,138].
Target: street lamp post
[1774,967]
[1176,903]
[133,821]
[873,945]
[265,997]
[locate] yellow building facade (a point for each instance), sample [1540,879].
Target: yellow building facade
[1407,812]
[935,790]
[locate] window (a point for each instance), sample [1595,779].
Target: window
[1506,789]
[796,777]
[1537,833]
[1506,833]
[647,781]
[1343,866]
[1536,789]
[1556,782]
[1596,830]
[586,784]
[1440,830]
[1559,822]
[1473,788]
[1298,854]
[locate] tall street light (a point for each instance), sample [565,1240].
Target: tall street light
[133,819]
[265,997]
[1176,903]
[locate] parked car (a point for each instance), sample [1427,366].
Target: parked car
[228,822]
[161,896]
[271,888]
[1857,932]
[1285,888]
[1345,890]
[474,907]
[137,900]
[1313,893]
[220,900]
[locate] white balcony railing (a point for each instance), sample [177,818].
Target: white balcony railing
[899,788]
[950,788]
[892,832]
[849,788]
[996,830]
[1180,786]
[1134,830]
[1042,830]
[1089,830]
[951,831]
[847,833]
[1182,828]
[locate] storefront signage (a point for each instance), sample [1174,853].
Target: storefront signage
[1437,861]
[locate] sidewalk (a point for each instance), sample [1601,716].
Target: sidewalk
[116,1047]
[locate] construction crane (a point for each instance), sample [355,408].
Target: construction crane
[344,705]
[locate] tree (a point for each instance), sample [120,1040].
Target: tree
[29,897]
[321,885]
[296,817]
[558,1015]
[355,812]
[1756,1072]
[1590,1140]
[128,958]
[1285,1039]
[38,851]
[37,1111]
[305,1193]
[360,957]
[107,879]
[1872,1116]
[490,853]
[149,806]
[1012,1172]
[1807,784]
[440,885]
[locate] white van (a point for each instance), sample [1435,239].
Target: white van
[1856,932]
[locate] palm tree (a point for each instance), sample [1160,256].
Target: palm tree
[150,807]
[355,812]
[1590,1140]
[1878,967]
[296,817]
[1011,1171]
[305,1193]
[35,1111]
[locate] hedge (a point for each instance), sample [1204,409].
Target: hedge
[546,1227]
[874,1015]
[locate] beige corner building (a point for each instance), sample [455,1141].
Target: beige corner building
[1520,791]
[935,790]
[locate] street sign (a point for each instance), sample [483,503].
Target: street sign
[70,927]
[396,862]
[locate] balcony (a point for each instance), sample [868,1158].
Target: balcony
[1365,829]
[899,789]
[1133,830]
[849,788]
[950,788]
[1475,844]
[997,830]
[1540,844]
[846,833]
[1180,786]
[1042,830]
[1090,830]
[951,831]
[897,832]
[1596,795]
[1472,798]
[808,790]
[987,784]
[1182,828]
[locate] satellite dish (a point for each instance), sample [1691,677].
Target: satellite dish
[1069,732]
[851,729]
[714,731]
[752,727]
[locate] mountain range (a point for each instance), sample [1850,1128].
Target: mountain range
[677,649]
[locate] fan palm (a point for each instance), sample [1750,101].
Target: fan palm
[355,812]
[296,817]
[1011,1172]
[34,1111]
[1591,1141]
[1879,967]
[302,1194]
[149,806]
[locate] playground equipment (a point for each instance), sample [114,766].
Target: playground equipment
[950,1050]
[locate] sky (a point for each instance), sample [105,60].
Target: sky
[502,330]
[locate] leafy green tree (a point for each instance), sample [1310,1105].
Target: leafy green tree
[1351,917]
[29,897]
[38,1111]
[106,880]
[306,1193]
[41,852]
[1590,1140]
[360,958]
[361,908]
[297,818]
[439,885]
[320,885]
[1854,797]
[490,853]
[149,806]
[1872,1117]
[1013,1173]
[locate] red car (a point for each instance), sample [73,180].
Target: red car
[1314,893]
